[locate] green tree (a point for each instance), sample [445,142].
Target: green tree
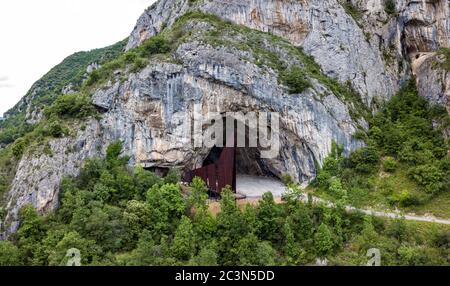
[172,177]
[231,227]
[113,151]
[89,251]
[205,227]
[9,254]
[207,256]
[102,223]
[323,240]
[252,252]
[138,218]
[30,233]
[294,253]
[199,193]
[184,242]
[301,222]
[269,217]
[143,181]
[166,207]
[143,255]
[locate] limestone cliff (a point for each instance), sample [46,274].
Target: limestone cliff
[235,62]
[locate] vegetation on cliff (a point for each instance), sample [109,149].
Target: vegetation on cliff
[120,216]
[71,72]
[116,215]
[405,163]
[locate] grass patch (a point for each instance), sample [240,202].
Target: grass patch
[135,59]
[445,64]
[352,10]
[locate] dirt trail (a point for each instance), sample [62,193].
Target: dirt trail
[255,187]
[393,215]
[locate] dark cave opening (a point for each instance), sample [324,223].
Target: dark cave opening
[248,159]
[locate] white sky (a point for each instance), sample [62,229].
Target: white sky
[36,35]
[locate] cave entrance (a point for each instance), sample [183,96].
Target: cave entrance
[233,166]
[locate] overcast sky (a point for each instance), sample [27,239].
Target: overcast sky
[36,35]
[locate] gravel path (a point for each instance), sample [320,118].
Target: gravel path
[254,187]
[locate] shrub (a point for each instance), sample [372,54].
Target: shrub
[130,57]
[336,189]
[404,199]
[136,58]
[71,106]
[390,7]
[296,80]
[93,78]
[365,160]
[56,130]
[390,165]
[113,151]
[172,177]
[287,180]
[19,147]
[155,45]
[429,176]
[9,254]
[138,64]
[323,240]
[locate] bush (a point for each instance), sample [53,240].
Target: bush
[404,199]
[336,189]
[137,58]
[19,147]
[113,151]
[93,78]
[138,64]
[9,254]
[172,177]
[390,165]
[56,130]
[429,176]
[365,160]
[296,80]
[71,106]
[155,45]
[390,7]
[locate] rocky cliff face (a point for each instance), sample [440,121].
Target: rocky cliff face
[229,67]
[409,40]
[359,41]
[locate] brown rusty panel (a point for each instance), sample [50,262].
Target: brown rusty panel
[212,177]
[219,175]
[201,173]
[226,168]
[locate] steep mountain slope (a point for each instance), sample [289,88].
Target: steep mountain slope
[346,58]
[64,78]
